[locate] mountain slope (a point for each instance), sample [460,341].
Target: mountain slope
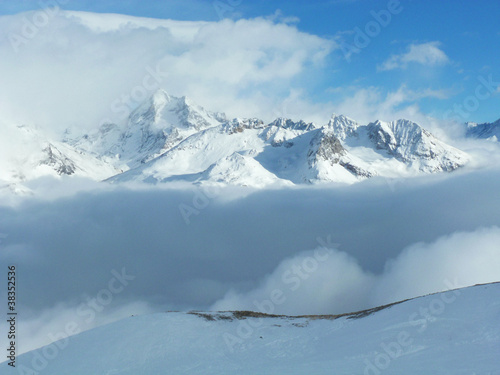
[168,138]
[484,131]
[298,152]
[153,128]
[454,332]
[402,140]
[30,154]
[283,151]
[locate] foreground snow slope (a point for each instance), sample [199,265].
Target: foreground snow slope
[455,332]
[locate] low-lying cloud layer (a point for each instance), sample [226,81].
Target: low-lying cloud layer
[102,254]
[331,281]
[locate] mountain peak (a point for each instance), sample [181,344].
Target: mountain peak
[186,101]
[400,125]
[342,126]
[287,123]
[161,96]
[410,143]
[154,104]
[168,137]
[151,108]
[341,117]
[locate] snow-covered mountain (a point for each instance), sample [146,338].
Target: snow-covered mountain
[283,152]
[156,126]
[484,131]
[249,152]
[403,140]
[453,332]
[173,139]
[27,154]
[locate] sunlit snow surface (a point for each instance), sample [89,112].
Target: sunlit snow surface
[454,332]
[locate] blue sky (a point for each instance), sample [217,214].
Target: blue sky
[434,54]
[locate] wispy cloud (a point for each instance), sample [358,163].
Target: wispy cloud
[428,54]
[366,104]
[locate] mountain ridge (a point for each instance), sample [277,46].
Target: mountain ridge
[170,138]
[490,131]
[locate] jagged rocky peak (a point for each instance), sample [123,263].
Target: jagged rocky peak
[191,115]
[391,135]
[150,110]
[342,126]
[164,111]
[327,146]
[176,138]
[238,125]
[281,131]
[412,144]
[161,122]
[287,123]
[328,160]
[58,161]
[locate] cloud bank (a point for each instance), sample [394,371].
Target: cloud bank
[68,250]
[332,282]
[79,69]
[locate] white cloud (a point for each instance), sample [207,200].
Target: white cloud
[79,68]
[457,260]
[321,280]
[367,104]
[337,284]
[67,247]
[82,68]
[428,54]
[370,103]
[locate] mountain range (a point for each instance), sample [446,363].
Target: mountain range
[168,138]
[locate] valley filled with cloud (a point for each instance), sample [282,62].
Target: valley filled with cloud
[125,190]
